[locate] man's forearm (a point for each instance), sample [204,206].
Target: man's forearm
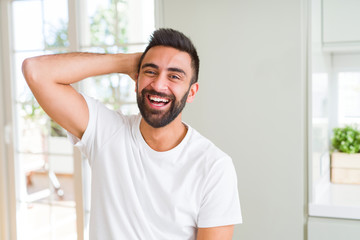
[49,78]
[69,68]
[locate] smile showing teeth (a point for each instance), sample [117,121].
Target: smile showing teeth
[158,99]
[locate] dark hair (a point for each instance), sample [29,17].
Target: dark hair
[171,38]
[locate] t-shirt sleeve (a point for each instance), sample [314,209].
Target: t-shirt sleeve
[102,124]
[220,203]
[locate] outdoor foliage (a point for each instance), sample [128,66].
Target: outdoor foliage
[107,26]
[346,139]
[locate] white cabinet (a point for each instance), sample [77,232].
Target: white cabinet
[341,25]
[333,229]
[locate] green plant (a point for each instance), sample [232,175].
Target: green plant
[346,139]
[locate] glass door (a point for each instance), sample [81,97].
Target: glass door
[45,173]
[51,178]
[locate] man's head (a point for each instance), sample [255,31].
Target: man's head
[168,73]
[171,38]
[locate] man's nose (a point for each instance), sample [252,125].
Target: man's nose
[160,83]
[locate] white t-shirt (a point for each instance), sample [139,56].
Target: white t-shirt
[139,193]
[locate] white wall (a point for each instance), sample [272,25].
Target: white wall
[251,103]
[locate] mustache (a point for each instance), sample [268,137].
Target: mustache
[160,94]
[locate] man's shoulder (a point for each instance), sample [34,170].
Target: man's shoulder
[205,147]
[108,118]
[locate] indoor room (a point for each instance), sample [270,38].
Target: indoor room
[278,92]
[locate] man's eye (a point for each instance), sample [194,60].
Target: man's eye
[150,72]
[174,77]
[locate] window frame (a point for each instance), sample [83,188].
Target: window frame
[7,162]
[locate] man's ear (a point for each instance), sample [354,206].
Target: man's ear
[193,90]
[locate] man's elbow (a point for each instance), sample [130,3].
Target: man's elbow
[28,70]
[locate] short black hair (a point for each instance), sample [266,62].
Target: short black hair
[171,38]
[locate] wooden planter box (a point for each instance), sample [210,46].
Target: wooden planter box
[345,168]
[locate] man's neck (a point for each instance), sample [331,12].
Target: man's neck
[164,138]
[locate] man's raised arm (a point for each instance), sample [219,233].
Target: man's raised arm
[49,78]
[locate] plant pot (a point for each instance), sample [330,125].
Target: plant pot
[345,168]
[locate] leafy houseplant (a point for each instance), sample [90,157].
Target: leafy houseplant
[346,139]
[345,158]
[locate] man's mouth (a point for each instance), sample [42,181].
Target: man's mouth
[157,101]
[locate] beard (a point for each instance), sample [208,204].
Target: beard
[160,118]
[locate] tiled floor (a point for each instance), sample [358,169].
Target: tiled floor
[51,218]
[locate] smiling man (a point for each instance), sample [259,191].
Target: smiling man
[153,176]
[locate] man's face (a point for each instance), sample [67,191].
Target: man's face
[163,85]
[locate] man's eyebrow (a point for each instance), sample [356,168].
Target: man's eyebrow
[149,65]
[171,69]
[174,69]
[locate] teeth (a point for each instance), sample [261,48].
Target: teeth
[157,99]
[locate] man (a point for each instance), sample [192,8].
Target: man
[153,176]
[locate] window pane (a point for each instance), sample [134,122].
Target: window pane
[136,48]
[99,24]
[349,97]
[115,22]
[113,90]
[61,164]
[28,25]
[117,91]
[320,124]
[44,222]
[56,23]
[141,20]
[116,49]
[320,95]
[44,213]
[32,126]
[34,222]
[127,89]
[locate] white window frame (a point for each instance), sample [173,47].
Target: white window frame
[8,202]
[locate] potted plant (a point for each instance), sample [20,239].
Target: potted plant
[345,156]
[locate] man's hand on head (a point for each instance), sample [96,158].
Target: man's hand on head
[133,72]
